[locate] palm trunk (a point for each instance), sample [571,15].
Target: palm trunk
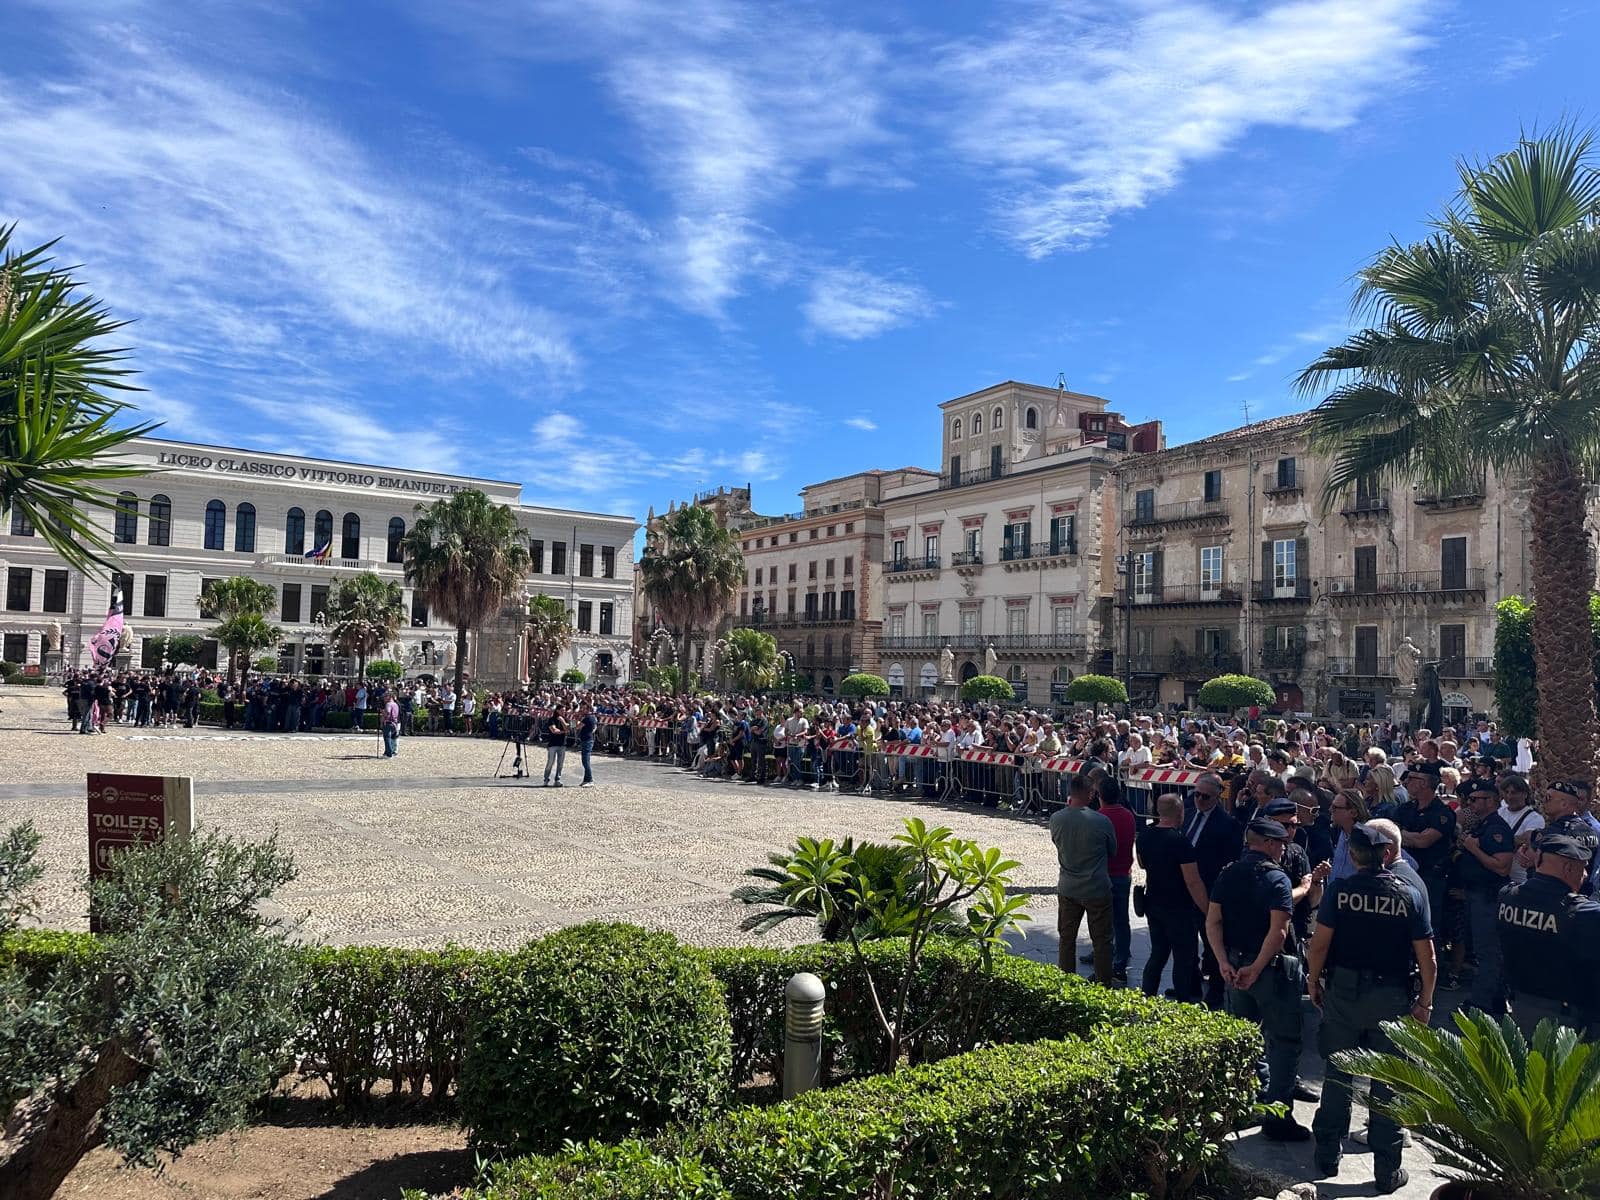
[1563,637]
[685,643]
[461,661]
[361,661]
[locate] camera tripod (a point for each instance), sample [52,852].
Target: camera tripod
[518,770]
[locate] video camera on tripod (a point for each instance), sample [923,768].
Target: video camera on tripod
[517,729]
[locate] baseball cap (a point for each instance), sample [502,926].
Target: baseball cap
[1281,807]
[1268,828]
[1578,846]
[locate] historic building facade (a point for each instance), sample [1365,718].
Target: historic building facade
[997,564]
[204,513]
[1232,563]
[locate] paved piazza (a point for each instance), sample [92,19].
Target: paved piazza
[428,848]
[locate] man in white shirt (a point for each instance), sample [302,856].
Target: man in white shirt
[1525,820]
[1136,755]
[795,729]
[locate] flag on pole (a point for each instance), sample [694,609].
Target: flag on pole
[103,645]
[322,553]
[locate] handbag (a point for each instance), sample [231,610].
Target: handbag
[1138,900]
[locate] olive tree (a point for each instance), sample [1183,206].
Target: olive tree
[167,1032]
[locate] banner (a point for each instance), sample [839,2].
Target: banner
[103,645]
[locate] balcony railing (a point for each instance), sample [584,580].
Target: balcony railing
[797,620]
[1031,550]
[1065,643]
[1268,590]
[967,558]
[1185,510]
[1215,662]
[1359,668]
[1283,658]
[1466,668]
[968,478]
[279,562]
[1274,485]
[1395,583]
[1181,593]
[1358,506]
[896,566]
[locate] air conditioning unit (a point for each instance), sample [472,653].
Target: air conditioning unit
[1338,587]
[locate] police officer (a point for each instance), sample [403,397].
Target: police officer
[1550,937]
[1372,941]
[1566,812]
[1247,926]
[1306,880]
[1483,866]
[1428,831]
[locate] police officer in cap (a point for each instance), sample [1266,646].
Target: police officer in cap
[1550,937]
[1566,812]
[1371,946]
[1247,925]
[1483,867]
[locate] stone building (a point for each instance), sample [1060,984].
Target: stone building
[999,559]
[204,513]
[1233,564]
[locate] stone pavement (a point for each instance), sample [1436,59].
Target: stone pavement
[431,848]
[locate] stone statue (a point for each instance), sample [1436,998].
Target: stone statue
[52,636]
[991,661]
[449,654]
[1427,706]
[397,652]
[125,639]
[1407,661]
[947,665]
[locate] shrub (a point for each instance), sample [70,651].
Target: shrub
[211,712]
[336,718]
[28,680]
[596,1031]
[1228,692]
[864,684]
[573,675]
[267,664]
[594,1171]
[987,687]
[384,669]
[8,669]
[1097,690]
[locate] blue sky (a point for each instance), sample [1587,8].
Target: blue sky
[622,250]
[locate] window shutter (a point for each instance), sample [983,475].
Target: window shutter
[1155,571]
[1266,564]
[1302,564]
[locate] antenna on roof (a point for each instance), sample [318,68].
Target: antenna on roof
[1061,381]
[1246,406]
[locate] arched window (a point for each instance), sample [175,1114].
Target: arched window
[977,422]
[350,541]
[216,525]
[322,531]
[294,532]
[998,419]
[397,533]
[1032,418]
[127,527]
[955,429]
[160,530]
[244,528]
[20,525]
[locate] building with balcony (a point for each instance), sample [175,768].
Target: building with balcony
[204,513]
[999,557]
[1233,563]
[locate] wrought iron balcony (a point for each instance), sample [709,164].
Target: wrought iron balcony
[968,478]
[1295,590]
[967,558]
[1406,583]
[1283,658]
[1366,506]
[898,566]
[1037,550]
[1180,593]
[1466,668]
[1062,643]
[1360,668]
[1169,514]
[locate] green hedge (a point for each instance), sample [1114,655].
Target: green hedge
[21,680]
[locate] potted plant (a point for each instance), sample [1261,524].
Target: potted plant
[1505,1119]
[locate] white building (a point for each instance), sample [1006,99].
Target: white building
[205,513]
[1004,558]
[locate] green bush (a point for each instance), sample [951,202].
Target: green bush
[211,712]
[336,718]
[573,675]
[384,669]
[1228,692]
[864,684]
[267,664]
[21,680]
[596,1031]
[8,669]
[987,687]
[1096,689]
[596,1171]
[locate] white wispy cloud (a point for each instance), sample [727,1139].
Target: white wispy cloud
[852,304]
[1089,110]
[861,423]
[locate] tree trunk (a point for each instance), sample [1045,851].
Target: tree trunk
[685,644]
[361,661]
[46,1135]
[1563,638]
[461,661]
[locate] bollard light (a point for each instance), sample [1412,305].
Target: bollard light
[802,1043]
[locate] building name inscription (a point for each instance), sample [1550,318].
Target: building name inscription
[272,470]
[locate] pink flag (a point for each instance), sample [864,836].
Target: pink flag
[103,645]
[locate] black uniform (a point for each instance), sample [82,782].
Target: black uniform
[1433,862]
[1482,888]
[1551,942]
[1249,891]
[1375,917]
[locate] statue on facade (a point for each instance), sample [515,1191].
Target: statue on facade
[1407,662]
[1427,706]
[449,654]
[947,665]
[125,639]
[991,661]
[52,636]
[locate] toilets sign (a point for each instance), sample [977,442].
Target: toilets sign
[126,810]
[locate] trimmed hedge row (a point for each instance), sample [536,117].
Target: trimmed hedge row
[1123,1095]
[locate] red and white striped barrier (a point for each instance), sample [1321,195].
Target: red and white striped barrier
[1063,762]
[1176,776]
[910,750]
[607,719]
[650,723]
[845,744]
[1004,757]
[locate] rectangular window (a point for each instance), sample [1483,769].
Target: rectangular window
[1285,571]
[1064,534]
[1453,564]
[16,648]
[969,622]
[1017,620]
[19,589]
[758,576]
[811,606]
[812,535]
[55,591]
[897,625]
[536,556]
[794,537]
[1061,620]
[791,572]
[1144,573]
[155,595]
[419,611]
[849,565]
[1366,569]
[832,529]
[811,569]
[124,584]
[1213,485]
[291,604]
[1144,505]
[1453,650]
[930,547]
[930,623]
[1211,569]
[558,558]
[974,539]
[607,609]
[585,616]
[20,525]
[829,606]
[319,600]
[586,560]
[1366,649]
[828,569]
[1286,473]
[608,562]
[847,605]
[793,608]
[1018,539]
[897,552]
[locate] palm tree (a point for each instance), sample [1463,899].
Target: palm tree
[56,413]
[549,631]
[364,613]
[230,599]
[243,635]
[751,661]
[1482,354]
[691,568]
[463,554]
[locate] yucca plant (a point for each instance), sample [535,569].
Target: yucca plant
[1518,1121]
